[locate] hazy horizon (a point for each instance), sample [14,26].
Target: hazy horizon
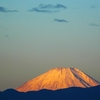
[36,36]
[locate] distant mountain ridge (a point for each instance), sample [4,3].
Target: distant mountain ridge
[59,78]
[73,93]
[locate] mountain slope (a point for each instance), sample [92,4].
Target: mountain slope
[59,78]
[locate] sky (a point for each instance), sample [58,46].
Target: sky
[38,35]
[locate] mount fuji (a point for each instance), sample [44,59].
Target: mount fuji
[59,78]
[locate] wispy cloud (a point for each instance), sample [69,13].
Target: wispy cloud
[2,9]
[6,35]
[93,6]
[48,8]
[60,20]
[42,10]
[94,24]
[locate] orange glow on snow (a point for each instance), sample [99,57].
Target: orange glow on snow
[59,78]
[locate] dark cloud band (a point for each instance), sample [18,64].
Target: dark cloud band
[2,9]
[42,10]
[48,8]
[94,24]
[60,20]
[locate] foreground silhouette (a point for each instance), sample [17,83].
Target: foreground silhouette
[73,93]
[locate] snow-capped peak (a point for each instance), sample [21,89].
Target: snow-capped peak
[59,78]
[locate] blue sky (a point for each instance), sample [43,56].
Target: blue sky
[37,35]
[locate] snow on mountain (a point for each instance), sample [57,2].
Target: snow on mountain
[59,78]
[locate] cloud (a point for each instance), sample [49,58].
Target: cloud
[94,24]
[93,6]
[60,20]
[60,6]
[2,9]
[6,35]
[48,8]
[42,10]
